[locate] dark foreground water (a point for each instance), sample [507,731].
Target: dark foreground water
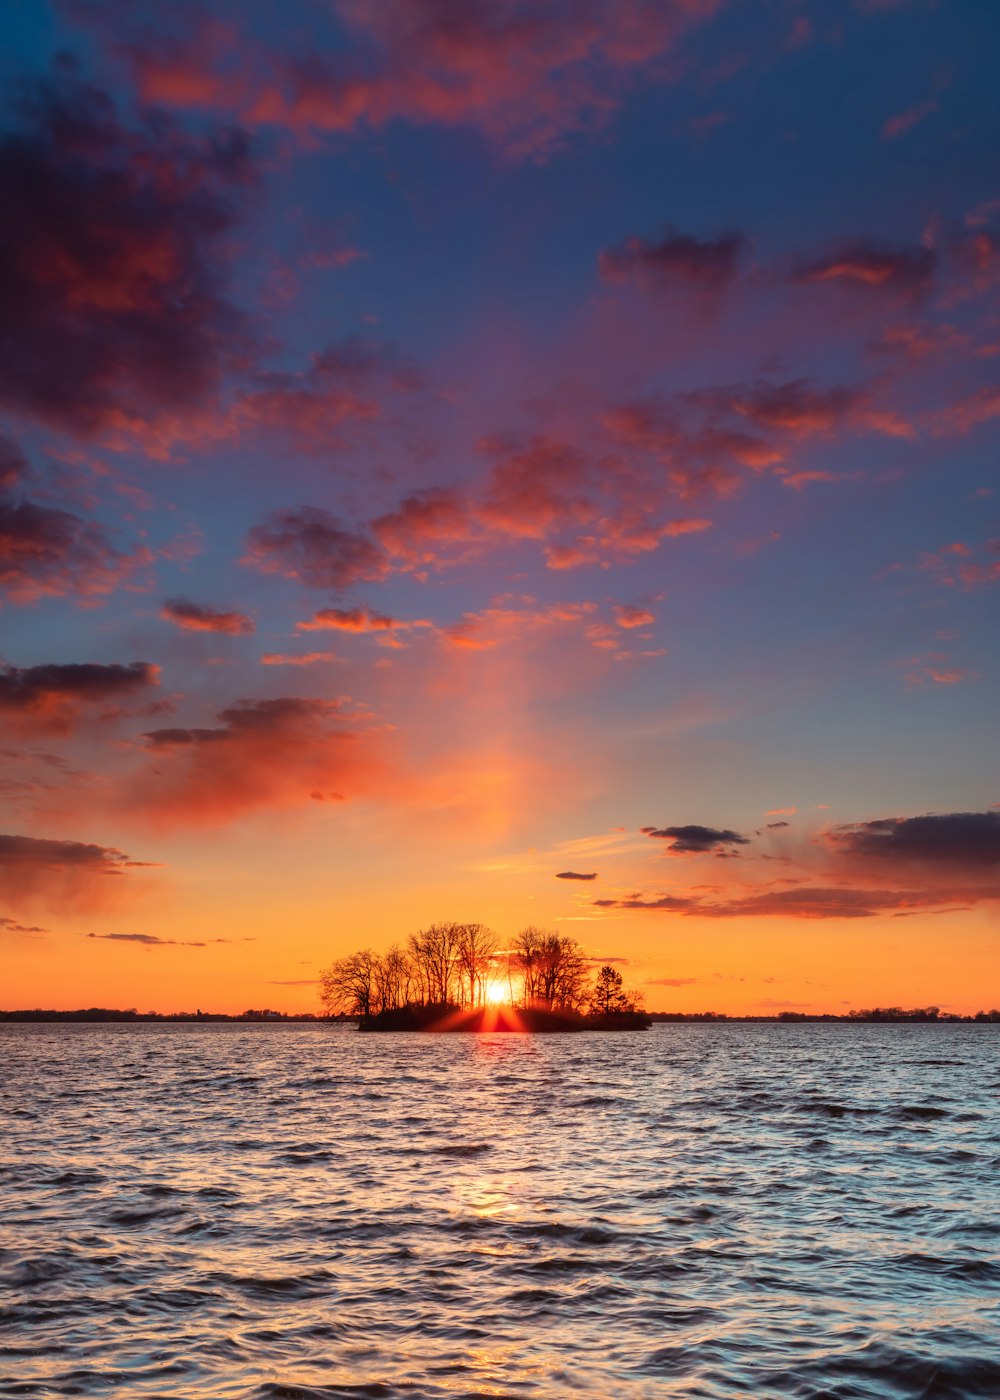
[300,1211]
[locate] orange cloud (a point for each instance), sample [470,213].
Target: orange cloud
[358,619]
[627,615]
[260,754]
[52,698]
[61,874]
[195,617]
[306,658]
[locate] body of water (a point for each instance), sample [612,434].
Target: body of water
[251,1212]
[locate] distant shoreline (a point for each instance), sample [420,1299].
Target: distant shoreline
[100,1015]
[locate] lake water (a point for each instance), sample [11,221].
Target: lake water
[267,1211]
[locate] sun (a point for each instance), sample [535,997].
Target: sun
[494,993]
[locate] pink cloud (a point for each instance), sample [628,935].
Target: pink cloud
[306,658]
[524,78]
[259,754]
[899,124]
[628,615]
[196,617]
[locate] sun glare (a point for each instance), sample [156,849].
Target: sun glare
[495,994]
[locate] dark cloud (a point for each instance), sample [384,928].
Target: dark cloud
[796,406]
[70,873]
[14,469]
[46,551]
[315,547]
[41,853]
[969,840]
[248,719]
[709,265]
[777,826]
[12,926]
[148,940]
[822,902]
[907,270]
[696,840]
[195,617]
[111,261]
[674,904]
[575,875]
[51,695]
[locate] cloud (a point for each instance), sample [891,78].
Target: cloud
[111,274]
[959,840]
[306,658]
[536,487]
[149,940]
[969,412]
[49,552]
[196,617]
[60,873]
[697,840]
[8,925]
[524,76]
[315,547]
[675,259]
[671,981]
[932,670]
[270,753]
[575,875]
[962,565]
[821,902]
[796,406]
[492,627]
[358,619]
[898,125]
[875,266]
[801,409]
[425,526]
[627,615]
[340,387]
[50,697]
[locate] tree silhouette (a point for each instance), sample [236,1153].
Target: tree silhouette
[608,996]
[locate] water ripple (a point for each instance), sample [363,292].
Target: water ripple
[243,1212]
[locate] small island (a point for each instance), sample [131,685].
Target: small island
[455,977]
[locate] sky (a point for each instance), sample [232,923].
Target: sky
[532,463]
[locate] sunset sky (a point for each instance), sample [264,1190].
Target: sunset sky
[523,462]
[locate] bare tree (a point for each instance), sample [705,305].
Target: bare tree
[349,984]
[553,969]
[434,953]
[525,958]
[393,980]
[477,947]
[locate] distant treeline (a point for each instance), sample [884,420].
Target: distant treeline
[926,1015]
[463,967]
[875,1013]
[102,1013]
